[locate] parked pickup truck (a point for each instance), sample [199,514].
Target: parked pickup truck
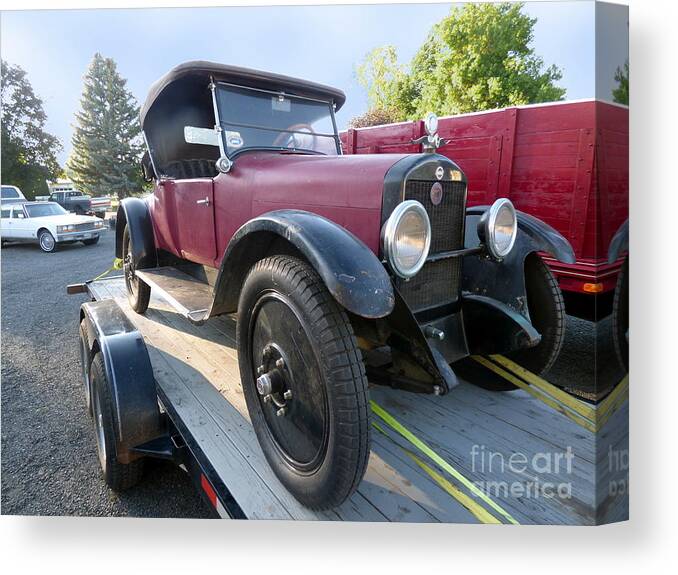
[565,163]
[79,203]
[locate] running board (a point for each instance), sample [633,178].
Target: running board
[189,296]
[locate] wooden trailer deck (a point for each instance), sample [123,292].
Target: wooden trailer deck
[533,462]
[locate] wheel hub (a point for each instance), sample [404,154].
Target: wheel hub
[273,381]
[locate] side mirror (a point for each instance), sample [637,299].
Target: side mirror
[147,172]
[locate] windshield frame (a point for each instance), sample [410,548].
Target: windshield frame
[27,211]
[222,136]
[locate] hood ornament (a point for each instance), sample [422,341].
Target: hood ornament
[431,141]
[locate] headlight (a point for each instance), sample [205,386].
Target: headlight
[498,228]
[406,238]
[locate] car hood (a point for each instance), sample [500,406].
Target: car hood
[66,219]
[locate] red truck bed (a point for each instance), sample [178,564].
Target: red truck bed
[565,163]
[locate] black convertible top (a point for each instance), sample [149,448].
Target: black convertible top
[199,70]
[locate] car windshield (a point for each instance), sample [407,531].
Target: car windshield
[260,119]
[8,193]
[42,210]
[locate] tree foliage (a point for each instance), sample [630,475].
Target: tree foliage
[107,139]
[28,151]
[479,57]
[621,93]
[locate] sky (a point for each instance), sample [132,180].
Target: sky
[319,43]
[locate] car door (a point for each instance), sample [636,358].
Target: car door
[6,223]
[20,224]
[194,210]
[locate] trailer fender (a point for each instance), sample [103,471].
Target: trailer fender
[133,212]
[619,243]
[128,368]
[352,273]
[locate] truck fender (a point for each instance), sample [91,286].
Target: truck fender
[543,237]
[619,243]
[352,273]
[134,213]
[129,373]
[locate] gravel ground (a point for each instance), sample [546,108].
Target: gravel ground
[49,463]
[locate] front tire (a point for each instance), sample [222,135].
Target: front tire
[620,316]
[91,241]
[313,419]
[547,314]
[138,292]
[118,476]
[47,242]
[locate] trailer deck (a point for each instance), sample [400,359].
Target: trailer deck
[534,460]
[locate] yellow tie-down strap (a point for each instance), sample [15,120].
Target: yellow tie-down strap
[117,265]
[482,514]
[587,416]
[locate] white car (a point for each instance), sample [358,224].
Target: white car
[48,224]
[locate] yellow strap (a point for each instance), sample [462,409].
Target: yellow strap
[578,419]
[426,450]
[117,265]
[612,400]
[587,411]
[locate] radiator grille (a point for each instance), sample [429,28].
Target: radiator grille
[84,227]
[438,283]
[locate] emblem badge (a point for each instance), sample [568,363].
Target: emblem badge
[440,172]
[436,194]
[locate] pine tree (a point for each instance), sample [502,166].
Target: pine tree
[107,138]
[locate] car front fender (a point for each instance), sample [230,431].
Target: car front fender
[352,273]
[133,212]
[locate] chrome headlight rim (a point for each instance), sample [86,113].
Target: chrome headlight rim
[490,227]
[389,234]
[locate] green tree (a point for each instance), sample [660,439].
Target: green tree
[106,141]
[621,93]
[28,151]
[478,58]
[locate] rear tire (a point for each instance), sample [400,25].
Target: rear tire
[547,314]
[118,476]
[138,292]
[620,316]
[291,329]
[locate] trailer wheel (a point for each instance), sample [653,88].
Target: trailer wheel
[620,316]
[85,363]
[118,476]
[138,292]
[547,314]
[304,381]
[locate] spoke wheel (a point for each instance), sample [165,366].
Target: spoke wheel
[47,241]
[304,381]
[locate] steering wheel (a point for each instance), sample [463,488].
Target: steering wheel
[288,138]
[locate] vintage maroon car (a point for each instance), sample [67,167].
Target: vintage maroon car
[339,267]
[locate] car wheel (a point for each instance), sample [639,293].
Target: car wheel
[138,292]
[620,316]
[47,242]
[118,476]
[85,364]
[304,381]
[91,241]
[547,314]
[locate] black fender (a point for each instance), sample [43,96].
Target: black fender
[619,243]
[133,212]
[351,271]
[128,371]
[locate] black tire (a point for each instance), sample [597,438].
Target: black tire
[547,314]
[320,447]
[85,363]
[79,211]
[620,316]
[138,292]
[118,476]
[47,242]
[91,241]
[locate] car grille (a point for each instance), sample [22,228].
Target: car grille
[438,282]
[84,227]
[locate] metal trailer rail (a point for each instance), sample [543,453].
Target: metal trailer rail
[495,463]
